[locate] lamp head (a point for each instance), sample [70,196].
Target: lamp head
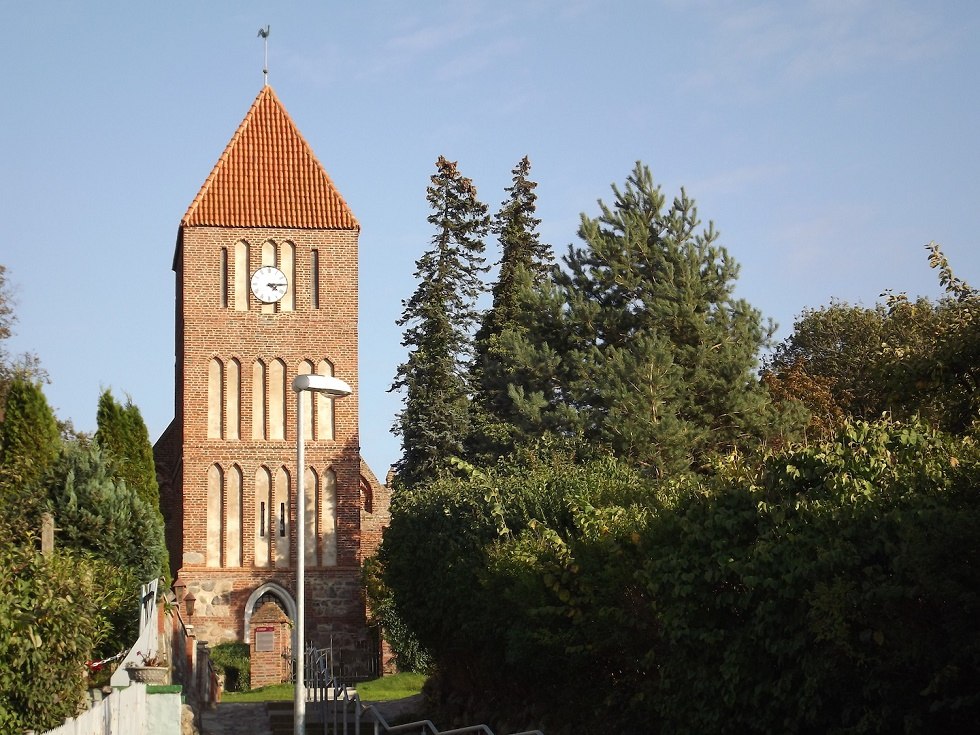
[326,384]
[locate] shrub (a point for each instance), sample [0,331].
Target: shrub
[234,661]
[826,589]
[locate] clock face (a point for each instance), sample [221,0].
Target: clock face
[268,284]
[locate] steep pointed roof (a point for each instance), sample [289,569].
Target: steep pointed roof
[269,177]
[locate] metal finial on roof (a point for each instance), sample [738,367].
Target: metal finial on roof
[264,34]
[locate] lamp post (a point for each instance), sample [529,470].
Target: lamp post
[335,388]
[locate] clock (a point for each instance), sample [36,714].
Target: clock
[268,284]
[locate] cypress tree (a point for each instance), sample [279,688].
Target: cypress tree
[438,321]
[29,445]
[122,434]
[123,438]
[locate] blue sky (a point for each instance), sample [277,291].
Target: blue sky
[828,141]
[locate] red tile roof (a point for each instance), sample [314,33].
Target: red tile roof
[269,177]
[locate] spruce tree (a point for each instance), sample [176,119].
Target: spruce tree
[638,345]
[525,262]
[438,321]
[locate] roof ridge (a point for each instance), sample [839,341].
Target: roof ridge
[269,176]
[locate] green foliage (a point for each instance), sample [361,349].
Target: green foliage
[410,656]
[99,514]
[123,437]
[29,445]
[441,556]
[51,623]
[438,320]
[525,263]
[639,345]
[122,434]
[394,686]
[235,662]
[905,358]
[831,589]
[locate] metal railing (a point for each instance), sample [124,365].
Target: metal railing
[343,713]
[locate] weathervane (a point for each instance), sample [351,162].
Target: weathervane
[264,34]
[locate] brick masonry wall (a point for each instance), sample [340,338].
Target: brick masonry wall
[207,330]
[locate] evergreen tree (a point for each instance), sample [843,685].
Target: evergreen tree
[639,345]
[525,262]
[29,445]
[122,434]
[438,321]
[97,512]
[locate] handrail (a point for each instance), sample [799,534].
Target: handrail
[324,687]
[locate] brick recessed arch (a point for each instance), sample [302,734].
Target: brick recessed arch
[280,592]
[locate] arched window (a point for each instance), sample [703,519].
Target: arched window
[277,400]
[311,493]
[234,488]
[223,279]
[268,258]
[328,518]
[280,516]
[215,398]
[258,400]
[215,486]
[241,276]
[263,517]
[287,264]
[324,407]
[233,395]
[315,279]
[367,496]
[305,368]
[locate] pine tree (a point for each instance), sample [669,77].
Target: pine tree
[438,320]
[525,262]
[639,345]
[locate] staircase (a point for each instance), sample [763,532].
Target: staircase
[335,709]
[372,722]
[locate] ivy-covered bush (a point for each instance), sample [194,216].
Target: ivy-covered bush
[51,622]
[235,662]
[829,589]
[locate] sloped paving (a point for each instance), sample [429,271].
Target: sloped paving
[232,718]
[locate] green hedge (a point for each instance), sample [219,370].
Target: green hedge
[235,662]
[830,589]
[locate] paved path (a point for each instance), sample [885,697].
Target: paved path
[232,718]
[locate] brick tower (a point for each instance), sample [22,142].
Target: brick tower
[266,288]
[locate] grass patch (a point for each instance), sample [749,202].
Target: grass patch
[396,686]
[271,693]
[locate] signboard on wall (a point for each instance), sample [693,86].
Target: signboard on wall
[265,638]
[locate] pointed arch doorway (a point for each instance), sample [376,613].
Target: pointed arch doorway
[269,592]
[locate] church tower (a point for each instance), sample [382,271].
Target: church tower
[266,288]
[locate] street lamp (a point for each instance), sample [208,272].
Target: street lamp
[335,388]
